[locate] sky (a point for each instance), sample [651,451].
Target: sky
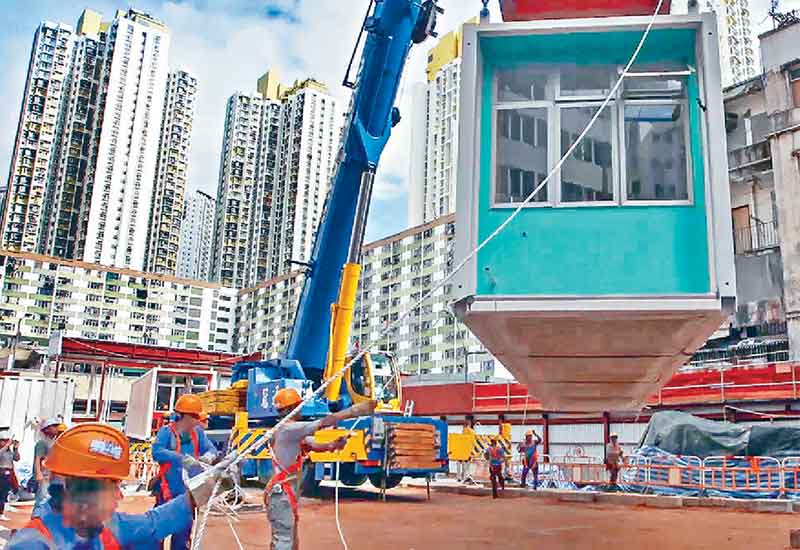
[227,45]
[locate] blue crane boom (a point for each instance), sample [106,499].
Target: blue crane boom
[392,26]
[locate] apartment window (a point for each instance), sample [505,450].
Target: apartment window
[794,82]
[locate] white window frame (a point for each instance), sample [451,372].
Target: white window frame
[684,103]
[618,146]
[552,159]
[615,159]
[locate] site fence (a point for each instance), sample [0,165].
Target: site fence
[657,472]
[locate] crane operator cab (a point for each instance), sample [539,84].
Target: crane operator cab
[375,376]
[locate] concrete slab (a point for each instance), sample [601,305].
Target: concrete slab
[576,496]
[623,499]
[774,506]
[691,501]
[653,501]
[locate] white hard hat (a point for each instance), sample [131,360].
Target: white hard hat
[613,435]
[5,434]
[50,422]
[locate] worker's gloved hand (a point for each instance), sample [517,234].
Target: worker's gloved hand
[208,458]
[189,462]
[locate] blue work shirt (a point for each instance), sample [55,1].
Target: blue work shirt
[164,453]
[132,531]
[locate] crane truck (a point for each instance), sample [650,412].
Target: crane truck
[388,445]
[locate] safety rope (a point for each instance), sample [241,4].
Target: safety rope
[236,457]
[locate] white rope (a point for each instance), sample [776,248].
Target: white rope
[267,437]
[336,489]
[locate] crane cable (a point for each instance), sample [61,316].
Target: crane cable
[236,457]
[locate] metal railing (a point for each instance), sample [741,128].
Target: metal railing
[757,236]
[757,353]
[721,476]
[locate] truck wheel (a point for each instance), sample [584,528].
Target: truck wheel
[348,475]
[392,481]
[309,486]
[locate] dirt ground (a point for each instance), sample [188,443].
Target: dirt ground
[407,521]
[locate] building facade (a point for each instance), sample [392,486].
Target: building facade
[241,185]
[763,140]
[84,160]
[42,295]
[167,205]
[738,55]
[277,159]
[434,146]
[197,237]
[309,141]
[39,130]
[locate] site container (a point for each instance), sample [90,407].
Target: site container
[622,264]
[25,402]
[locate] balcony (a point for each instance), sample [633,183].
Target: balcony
[755,238]
[753,158]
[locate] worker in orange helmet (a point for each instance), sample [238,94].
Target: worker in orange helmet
[496,456]
[92,459]
[181,445]
[290,444]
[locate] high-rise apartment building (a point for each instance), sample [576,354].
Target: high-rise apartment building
[276,162]
[116,233]
[737,45]
[240,185]
[434,147]
[39,130]
[167,205]
[197,237]
[309,140]
[84,161]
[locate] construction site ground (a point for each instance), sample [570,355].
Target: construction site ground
[407,520]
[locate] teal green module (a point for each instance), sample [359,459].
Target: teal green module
[621,265]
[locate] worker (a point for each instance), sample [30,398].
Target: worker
[496,457]
[92,459]
[529,451]
[505,435]
[463,466]
[614,457]
[9,454]
[289,446]
[181,445]
[50,430]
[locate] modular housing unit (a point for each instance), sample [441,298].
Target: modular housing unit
[622,264]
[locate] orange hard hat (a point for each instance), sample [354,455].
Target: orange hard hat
[188,403]
[286,398]
[92,450]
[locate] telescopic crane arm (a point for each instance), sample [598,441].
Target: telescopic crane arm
[321,334]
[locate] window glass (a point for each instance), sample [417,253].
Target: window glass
[654,86]
[588,174]
[522,154]
[656,158]
[585,81]
[524,84]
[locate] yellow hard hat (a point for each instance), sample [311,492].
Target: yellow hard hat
[91,450]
